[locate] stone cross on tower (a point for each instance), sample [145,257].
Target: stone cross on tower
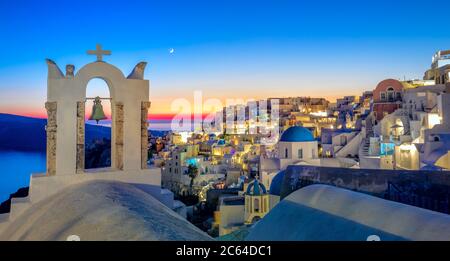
[99,52]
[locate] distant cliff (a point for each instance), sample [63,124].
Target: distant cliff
[22,133]
[28,134]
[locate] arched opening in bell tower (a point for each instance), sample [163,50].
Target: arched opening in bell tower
[98,123]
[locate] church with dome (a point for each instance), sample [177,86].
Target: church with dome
[296,146]
[239,213]
[256,202]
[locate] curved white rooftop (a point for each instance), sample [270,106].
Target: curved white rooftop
[321,212]
[101,210]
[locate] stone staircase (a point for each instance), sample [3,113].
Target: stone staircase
[369,130]
[364,149]
[18,206]
[365,142]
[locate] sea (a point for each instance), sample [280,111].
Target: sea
[16,168]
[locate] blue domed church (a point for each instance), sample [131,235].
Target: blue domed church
[296,145]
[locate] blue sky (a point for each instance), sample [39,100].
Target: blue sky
[248,49]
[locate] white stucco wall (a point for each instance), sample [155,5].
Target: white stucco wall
[230,215]
[310,151]
[352,146]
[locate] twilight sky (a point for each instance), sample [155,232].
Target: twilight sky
[227,49]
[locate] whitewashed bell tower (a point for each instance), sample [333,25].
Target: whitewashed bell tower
[66,96]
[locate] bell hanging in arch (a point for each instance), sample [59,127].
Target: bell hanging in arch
[97,110]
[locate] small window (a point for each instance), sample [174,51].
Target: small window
[390,94]
[383,96]
[398,96]
[256,205]
[286,153]
[300,154]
